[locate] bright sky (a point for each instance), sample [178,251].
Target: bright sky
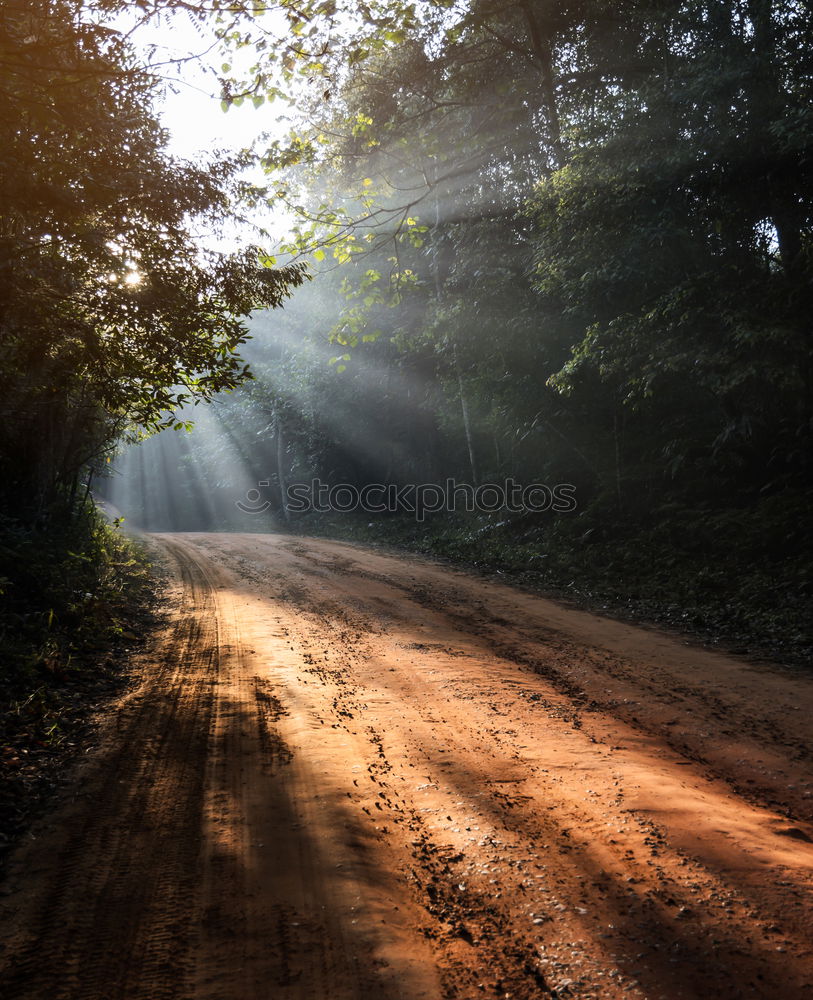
[191,109]
[198,126]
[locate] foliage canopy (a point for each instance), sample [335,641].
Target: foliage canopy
[111,312]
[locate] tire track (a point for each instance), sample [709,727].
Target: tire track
[344,775]
[112,917]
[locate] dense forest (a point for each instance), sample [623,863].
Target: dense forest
[111,314]
[549,243]
[406,583]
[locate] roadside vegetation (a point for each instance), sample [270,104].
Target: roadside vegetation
[552,243]
[736,580]
[75,605]
[112,314]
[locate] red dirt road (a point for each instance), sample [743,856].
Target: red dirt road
[354,775]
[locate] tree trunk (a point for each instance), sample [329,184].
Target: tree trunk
[281,478]
[617,448]
[767,106]
[464,408]
[542,47]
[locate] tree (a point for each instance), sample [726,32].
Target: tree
[663,151]
[111,314]
[583,228]
[678,236]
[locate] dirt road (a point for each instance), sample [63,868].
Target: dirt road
[351,775]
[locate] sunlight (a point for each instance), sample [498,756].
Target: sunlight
[371,373]
[189,481]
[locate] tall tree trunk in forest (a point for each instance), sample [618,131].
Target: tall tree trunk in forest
[464,407]
[617,448]
[541,38]
[388,473]
[783,197]
[88,484]
[768,102]
[281,478]
[439,294]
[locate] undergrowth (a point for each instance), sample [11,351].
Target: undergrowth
[738,578]
[71,600]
